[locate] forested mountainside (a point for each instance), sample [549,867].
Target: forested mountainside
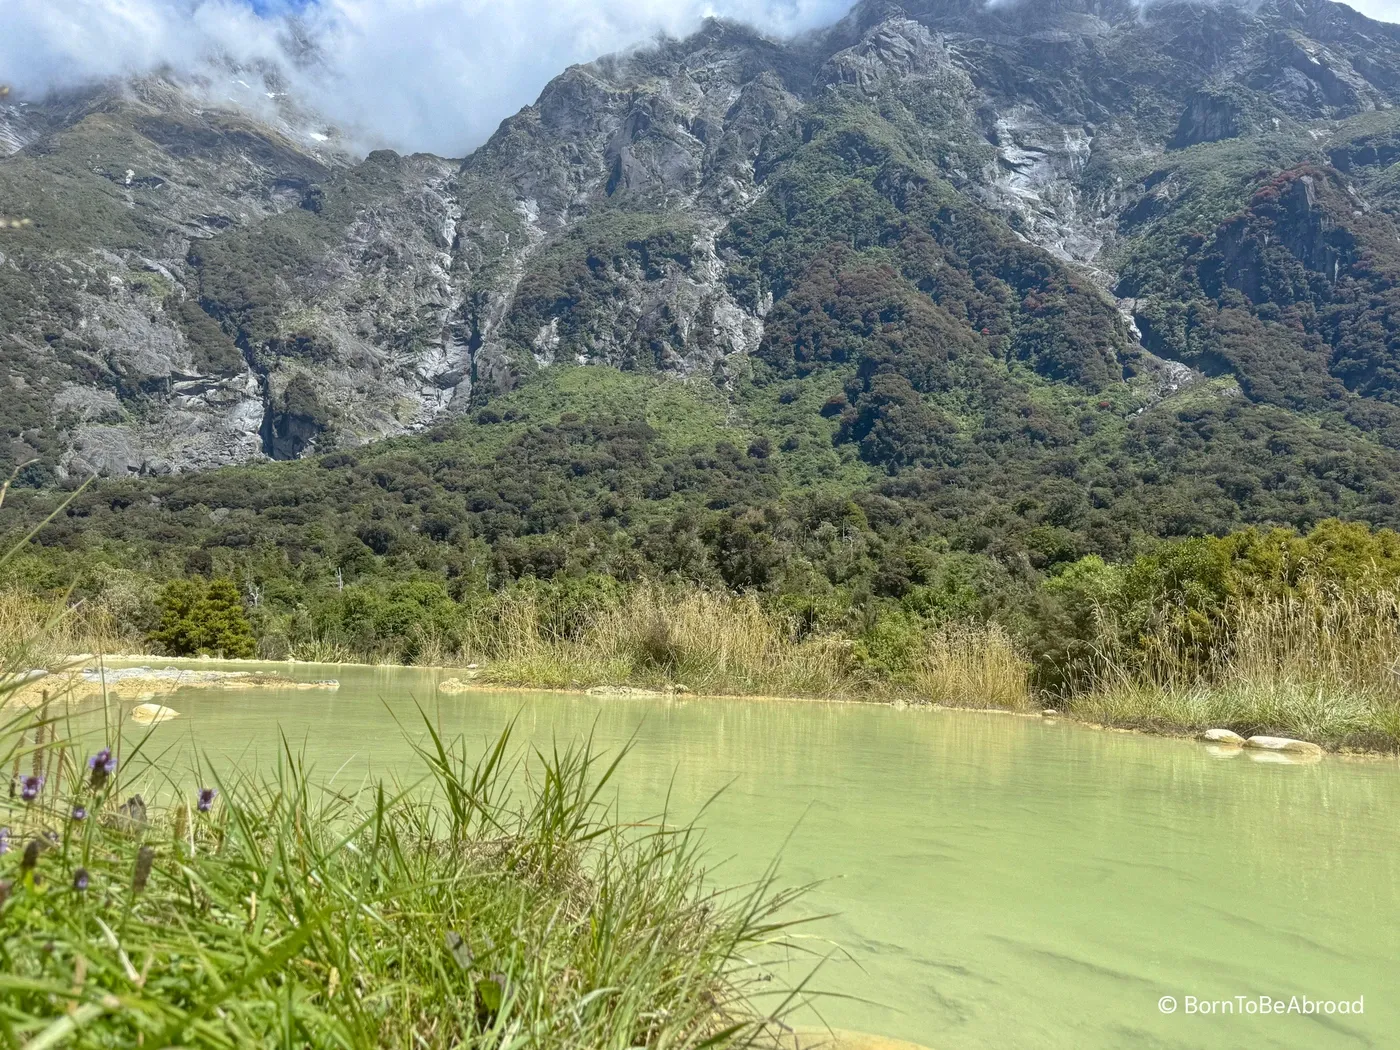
[1035,279]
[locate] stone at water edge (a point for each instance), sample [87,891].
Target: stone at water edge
[1222,736]
[1284,744]
[130,816]
[453,685]
[1050,712]
[152,714]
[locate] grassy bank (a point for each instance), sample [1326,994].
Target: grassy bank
[41,631]
[461,913]
[651,636]
[719,643]
[1259,632]
[1318,663]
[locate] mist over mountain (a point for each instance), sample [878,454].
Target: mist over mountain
[412,75]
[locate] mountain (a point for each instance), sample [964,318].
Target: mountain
[1095,267]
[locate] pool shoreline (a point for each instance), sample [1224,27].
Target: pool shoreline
[471,684]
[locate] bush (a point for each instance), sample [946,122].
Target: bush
[204,619]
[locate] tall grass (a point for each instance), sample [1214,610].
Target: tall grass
[1319,663]
[45,631]
[499,904]
[710,642]
[973,665]
[720,643]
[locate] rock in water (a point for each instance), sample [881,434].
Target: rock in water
[152,714]
[1283,744]
[452,686]
[1222,736]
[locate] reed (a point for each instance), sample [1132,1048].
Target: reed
[43,632]
[720,643]
[324,651]
[716,642]
[653,636]
[709,641]
[973,665]
[1319,662]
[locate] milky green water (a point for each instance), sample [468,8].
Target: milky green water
[997,882]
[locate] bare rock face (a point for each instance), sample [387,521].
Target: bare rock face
[1208,117]
[16,129]
[889,52]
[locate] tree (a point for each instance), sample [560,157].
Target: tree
[199,618]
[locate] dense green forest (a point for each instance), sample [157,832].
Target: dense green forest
[590,482]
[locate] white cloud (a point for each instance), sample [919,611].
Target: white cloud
[433,75]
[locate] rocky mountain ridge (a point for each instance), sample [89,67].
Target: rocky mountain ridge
[201,285]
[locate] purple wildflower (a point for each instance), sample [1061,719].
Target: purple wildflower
[103,765]
[80,813]
[80,880]
[4,840]
[206,798]
[29,787]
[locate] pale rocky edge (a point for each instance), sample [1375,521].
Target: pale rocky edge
[1280,745]
[145,683]
[71,685]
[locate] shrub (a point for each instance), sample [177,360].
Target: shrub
[204,619]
